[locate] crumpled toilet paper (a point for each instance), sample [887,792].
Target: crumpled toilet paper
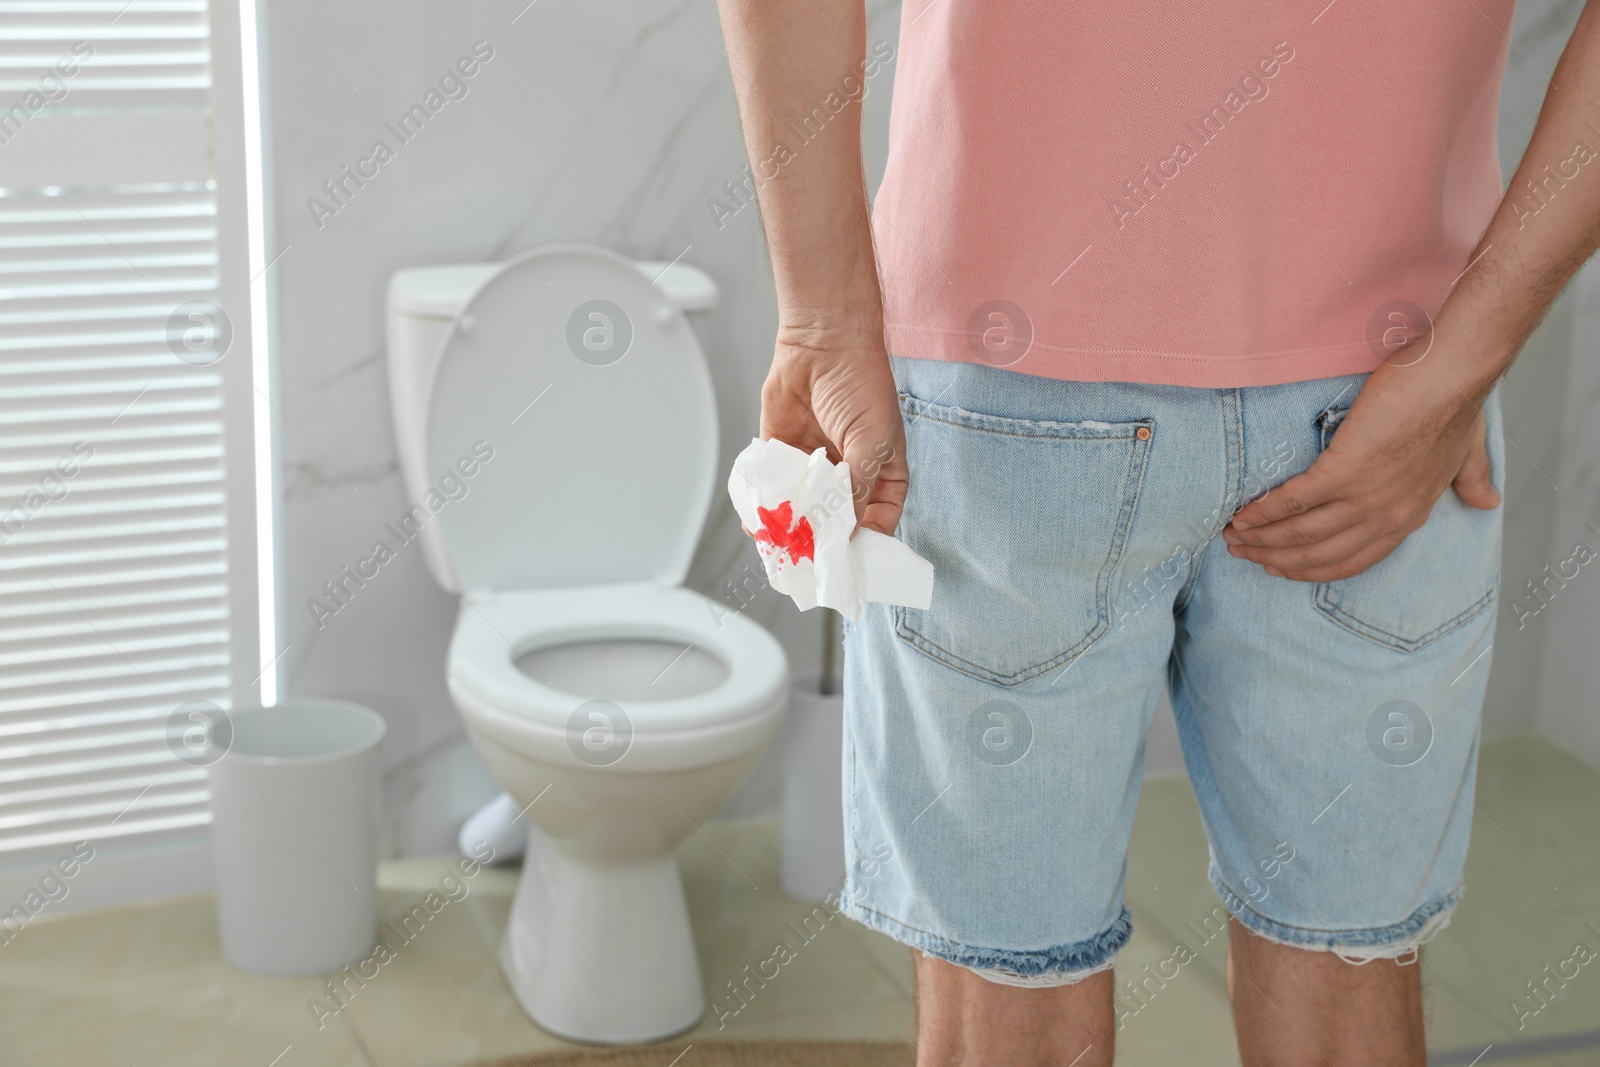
[800,511]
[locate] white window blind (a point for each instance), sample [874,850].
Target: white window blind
[126,512]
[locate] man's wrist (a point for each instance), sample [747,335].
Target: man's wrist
[1474,350]
[849,326]
[1491,311]
[1448,372]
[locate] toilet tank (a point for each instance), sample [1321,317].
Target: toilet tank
[422,307]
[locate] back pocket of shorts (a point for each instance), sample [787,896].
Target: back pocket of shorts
[1025,521]
[1440,577]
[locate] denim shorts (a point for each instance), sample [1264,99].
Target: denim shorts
[994,743]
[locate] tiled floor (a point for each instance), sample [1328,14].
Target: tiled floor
[145,986]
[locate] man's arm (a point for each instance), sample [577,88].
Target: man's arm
[829,384]
[1417,427]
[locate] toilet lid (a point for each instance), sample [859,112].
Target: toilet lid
[572,428]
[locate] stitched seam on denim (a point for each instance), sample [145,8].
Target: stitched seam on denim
[1133,490]
[880,921]
[974,420]
[876,914]
[1432,907]
[1365,937]
[927,647]
[1187,592]
[1378,635]
[1125,508]
[1085,436]
[1238,458]
[1338,940]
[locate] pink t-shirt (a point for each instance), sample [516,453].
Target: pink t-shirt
[1233,193]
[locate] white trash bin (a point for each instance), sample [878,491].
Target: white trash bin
[294,836]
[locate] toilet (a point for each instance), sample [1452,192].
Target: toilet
[558,430]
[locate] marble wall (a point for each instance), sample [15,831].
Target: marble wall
[611,124]
[1561,612]
[608,124]
[1550,604]
[1540,459]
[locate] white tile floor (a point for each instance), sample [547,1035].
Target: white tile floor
[146,986]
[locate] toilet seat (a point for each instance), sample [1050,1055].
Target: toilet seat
[491,632]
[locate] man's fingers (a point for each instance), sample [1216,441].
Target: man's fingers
[1312,527]
[1367,557]
[882,516]
[1342,546]
[1294,497]
[887,498]
[879,478]
[1472,482]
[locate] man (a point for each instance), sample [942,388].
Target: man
[1184,354]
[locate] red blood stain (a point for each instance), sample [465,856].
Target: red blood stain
[779,530]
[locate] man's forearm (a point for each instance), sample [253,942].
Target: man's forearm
[1545,229]
[791,59]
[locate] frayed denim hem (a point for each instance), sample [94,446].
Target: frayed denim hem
[1065,964]
[1400,941]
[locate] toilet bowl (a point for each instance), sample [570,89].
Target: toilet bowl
[556,425]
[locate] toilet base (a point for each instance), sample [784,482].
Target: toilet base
[602,952]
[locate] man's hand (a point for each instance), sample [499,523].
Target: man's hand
[1409,436]
[833,389]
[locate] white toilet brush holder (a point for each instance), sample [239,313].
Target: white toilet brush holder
[813,806]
